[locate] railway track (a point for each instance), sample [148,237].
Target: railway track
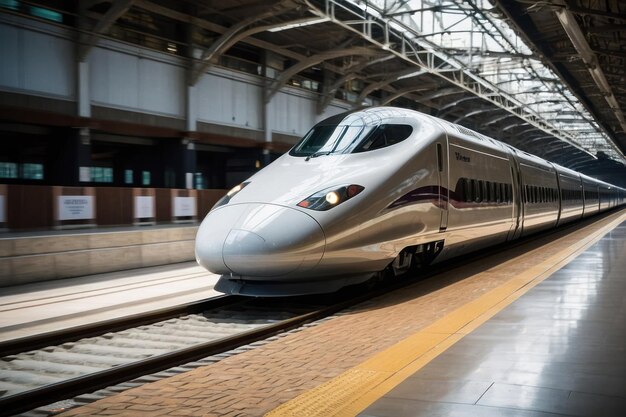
[44,369]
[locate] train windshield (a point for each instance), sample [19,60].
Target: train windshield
[342,138]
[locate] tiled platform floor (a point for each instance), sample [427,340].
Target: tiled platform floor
[558,350]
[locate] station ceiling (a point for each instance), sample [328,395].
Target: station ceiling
[547,77]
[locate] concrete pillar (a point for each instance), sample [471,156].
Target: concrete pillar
[267,112]
[192,108]
[83,96]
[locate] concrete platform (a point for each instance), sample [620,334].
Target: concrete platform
[344,365]
[53,305]
[47,255]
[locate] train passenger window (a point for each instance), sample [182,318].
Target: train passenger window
[497,192]
[483,191]
[478,189]
[467,190]
[492,192]
[460,189]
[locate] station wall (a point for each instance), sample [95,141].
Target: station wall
[36,58]
[40,59]
[130,78]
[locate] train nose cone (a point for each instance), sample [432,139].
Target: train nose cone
[261,240]
[273,240]
[211,236]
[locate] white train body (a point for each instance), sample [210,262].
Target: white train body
[408,186]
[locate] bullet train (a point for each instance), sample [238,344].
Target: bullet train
[380,191]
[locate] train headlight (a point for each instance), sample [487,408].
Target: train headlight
[229,195]
[330,197]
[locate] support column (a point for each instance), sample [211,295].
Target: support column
[83,95]
[192,108]
[267,113]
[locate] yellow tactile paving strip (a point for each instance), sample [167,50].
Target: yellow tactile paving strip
[336,367]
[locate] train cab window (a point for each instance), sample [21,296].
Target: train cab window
[383,136]
[350,135]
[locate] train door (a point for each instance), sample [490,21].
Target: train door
[518,203]
[442,174]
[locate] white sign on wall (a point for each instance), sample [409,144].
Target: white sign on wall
[3,214]
[144,207]
[184,206]
[75,207]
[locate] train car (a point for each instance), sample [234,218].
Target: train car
[380,191]
[591,203]
[571,195]
[539,183]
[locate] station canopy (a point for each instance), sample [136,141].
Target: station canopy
[469,62]
[475,46]
[547,77]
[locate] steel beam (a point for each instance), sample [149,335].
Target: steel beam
[117,9]
[314,60]
[393,77]
[475,112]
[578,39]
[236,33]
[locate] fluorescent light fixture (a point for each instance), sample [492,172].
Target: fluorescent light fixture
[300,23]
